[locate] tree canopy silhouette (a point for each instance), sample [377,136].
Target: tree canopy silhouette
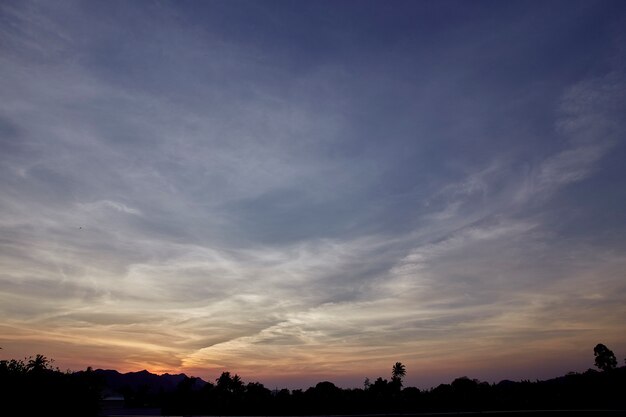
[398,371]
[229,383]
[605,358]
[34,387]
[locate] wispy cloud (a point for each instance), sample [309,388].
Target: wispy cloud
[591,124]
[108,204]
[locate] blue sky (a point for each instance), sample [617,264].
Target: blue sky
[298,191]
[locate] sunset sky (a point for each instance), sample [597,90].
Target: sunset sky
[303,191]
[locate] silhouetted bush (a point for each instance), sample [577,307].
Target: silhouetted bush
[34,387]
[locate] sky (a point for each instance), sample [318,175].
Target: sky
[306,191]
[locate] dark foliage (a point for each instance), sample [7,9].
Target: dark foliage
[398,371]
[588,390]
[34,387]
[605,358]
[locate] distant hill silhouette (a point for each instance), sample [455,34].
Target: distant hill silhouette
[117,381]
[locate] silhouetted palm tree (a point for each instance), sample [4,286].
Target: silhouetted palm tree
[38,364]
[398,372]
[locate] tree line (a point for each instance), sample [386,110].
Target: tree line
[231,396]
[35,386]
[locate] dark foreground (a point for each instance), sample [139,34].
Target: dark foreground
[36,388]
[525,413]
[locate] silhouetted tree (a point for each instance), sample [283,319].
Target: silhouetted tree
[325,397]
[380,388]
[33,387]
[38,364]
[236,384]
[398,371]
[605,358]
[223,382]
[229,383]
